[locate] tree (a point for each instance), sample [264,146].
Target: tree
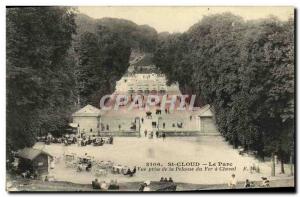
[38,77]
[245,71]
[103,59]
[139,37]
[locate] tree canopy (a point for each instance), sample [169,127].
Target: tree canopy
[245,70]
[58,61]
[39,81]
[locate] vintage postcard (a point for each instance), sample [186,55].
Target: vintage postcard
[150,99]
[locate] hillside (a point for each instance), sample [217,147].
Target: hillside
[141,37]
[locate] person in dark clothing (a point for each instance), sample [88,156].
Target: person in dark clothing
[170,180]
[95,184]
[164,135]
[111,139]
[142,120]
[133,171]
[35,174]
[113,185]
[142,186]
[88,167]
[247,183]
[157,134]
[161,179]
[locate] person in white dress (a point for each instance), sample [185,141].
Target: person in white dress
[147,187]
[232,182]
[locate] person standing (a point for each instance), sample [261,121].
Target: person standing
[157,134]
[232,182]
[150,136]
[145,132]
[142,120]
[52,163]
[247,183]
[111,139]
[164,136]
[147,186]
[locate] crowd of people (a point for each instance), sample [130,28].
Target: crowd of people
[164,184]
[130,172]
[84,164]
[73,139]
[96,141]
[165,179]
[232,183]
[158,134]
[65,139]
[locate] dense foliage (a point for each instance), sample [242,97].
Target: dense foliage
[59,61]
[245,70]
[39,78]
[103,59]
[139,37]
[103,47]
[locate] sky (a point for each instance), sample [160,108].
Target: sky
[179,19]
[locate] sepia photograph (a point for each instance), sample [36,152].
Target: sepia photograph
[150,98]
